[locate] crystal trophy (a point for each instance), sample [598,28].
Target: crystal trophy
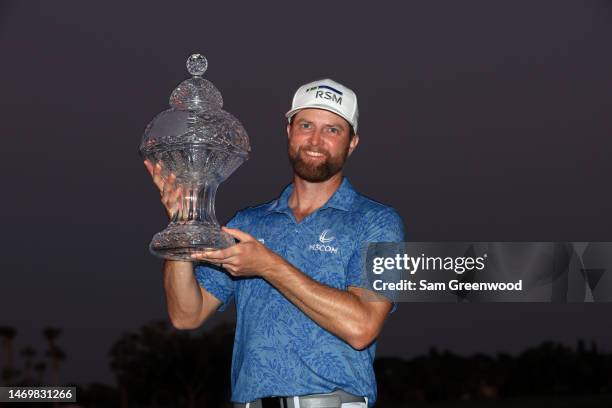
[201,144]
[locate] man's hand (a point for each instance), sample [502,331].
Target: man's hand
[348,314]
[170,194]
[247,258]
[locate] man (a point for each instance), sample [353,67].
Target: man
[305,332]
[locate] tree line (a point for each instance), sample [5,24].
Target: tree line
[158,366]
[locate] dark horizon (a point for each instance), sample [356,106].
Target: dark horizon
[479,122]
[159,366]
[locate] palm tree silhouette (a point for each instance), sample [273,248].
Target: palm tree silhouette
[54,353]
[57,355]
[28,353]
[8,333]
[51,333]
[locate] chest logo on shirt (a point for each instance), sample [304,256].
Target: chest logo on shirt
[323,244]
[324,239]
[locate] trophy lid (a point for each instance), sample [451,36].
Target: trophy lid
[196,118]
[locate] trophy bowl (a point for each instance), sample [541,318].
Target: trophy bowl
[202,145]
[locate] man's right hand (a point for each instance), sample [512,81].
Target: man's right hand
[189,304]
[171,194]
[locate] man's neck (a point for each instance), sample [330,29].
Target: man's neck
[307,196]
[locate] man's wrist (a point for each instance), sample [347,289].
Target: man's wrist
[274,268]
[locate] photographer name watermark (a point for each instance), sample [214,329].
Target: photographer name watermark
[489,271]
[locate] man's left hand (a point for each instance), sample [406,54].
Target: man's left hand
[247,258]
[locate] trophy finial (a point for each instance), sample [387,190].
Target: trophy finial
[197,64]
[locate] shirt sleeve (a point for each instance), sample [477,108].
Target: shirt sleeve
[386,226]
[215,279]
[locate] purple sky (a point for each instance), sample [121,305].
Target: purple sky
[480,121]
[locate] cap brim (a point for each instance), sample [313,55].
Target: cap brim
[292,112]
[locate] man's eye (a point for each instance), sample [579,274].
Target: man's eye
[306,125]
[334,130]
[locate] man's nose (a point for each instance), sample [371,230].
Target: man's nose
[315,137]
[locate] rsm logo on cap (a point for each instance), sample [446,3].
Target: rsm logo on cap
[332,95]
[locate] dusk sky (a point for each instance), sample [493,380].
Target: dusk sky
[480,121]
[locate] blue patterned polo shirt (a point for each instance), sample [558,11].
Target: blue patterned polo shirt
[279,350]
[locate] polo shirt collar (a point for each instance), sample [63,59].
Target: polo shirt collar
[341,199]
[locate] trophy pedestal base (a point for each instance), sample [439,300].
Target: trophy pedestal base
[179,241]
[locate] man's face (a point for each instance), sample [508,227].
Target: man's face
[319,144]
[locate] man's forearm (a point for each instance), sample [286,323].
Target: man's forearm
[345,313]
[339,312]
[183,295]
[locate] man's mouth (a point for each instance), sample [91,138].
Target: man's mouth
[311,153]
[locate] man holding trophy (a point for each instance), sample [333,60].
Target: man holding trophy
[306,330]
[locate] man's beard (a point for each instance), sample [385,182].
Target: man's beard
[316,172]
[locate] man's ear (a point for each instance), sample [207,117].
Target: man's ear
[288,130]
[353,144]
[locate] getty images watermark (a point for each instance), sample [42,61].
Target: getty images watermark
[458,265]
[489,271]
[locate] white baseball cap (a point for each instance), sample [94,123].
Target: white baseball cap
[329,95]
